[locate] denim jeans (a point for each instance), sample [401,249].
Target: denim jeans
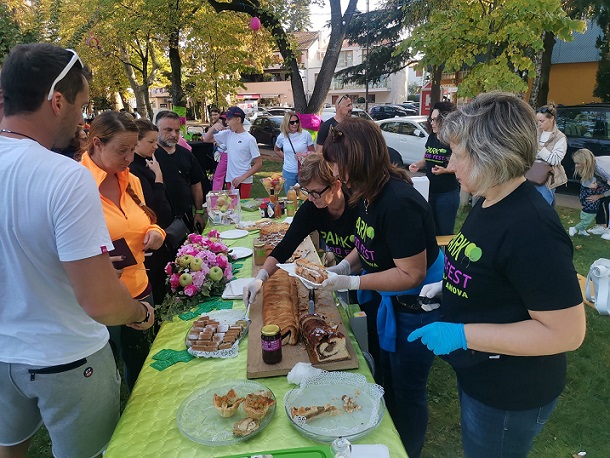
[404,376]
[290,180]
[493,433]
[548,194]
[445,206]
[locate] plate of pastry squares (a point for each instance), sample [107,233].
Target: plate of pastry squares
[312,275]
[217,334]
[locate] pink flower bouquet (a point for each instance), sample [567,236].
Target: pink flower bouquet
[201,269]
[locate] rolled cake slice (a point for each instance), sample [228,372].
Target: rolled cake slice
[315,273]
[324,341]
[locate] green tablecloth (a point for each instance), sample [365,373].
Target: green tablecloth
[148,425]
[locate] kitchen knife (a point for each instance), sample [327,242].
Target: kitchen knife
[311,305]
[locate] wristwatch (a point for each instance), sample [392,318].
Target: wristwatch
[145,320]
[200,212]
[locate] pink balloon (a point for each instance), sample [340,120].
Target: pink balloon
[255,23]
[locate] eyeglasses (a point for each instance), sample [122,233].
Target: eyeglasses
[437,119]
[544,110]
[314,194]
[65,71]
[343,97]
[293,122]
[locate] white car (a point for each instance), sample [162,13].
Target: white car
[328,113]
[407,135]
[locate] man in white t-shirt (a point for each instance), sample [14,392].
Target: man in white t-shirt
[244,158]
[59,288]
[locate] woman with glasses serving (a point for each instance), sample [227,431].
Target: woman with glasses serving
[552,147]
[444,195]
[292,145]
[326,210]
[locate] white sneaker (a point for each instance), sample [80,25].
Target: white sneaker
[606,235]
[585,233]
[572,231]
[597,230]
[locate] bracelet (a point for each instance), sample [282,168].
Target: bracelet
[200,212]
[145,320]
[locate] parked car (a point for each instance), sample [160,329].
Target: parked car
[414,106]
[247,124]
[328,113]
[389,111]
[585,126]
[407,135]
[266,129]
[278,111]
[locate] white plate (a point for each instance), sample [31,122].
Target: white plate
[290,268]
[235,288]
[288,220]
[233,234]
[240,252]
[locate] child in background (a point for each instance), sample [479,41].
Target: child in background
[590,185]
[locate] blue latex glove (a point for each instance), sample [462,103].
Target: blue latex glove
[441,338]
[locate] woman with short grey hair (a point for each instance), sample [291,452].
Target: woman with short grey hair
[512,303]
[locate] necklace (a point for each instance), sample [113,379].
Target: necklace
[366,206]
[6,131]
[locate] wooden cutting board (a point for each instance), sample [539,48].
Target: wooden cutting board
[292,354]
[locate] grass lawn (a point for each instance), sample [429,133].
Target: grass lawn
[578,423]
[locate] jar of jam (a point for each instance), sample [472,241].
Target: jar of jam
[260,253]
[271,343]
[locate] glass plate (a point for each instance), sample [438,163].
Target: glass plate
[199,420]
[329,388]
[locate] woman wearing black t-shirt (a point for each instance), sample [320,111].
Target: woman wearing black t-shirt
[395,244]
[444,196]
[512,305]
[326,210]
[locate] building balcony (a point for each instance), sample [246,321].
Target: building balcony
[338,85]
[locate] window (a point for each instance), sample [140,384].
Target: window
[345,59]
[406,128]
[391,127]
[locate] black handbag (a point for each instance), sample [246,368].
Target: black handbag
[176,233]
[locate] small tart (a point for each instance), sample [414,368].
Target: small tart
[257,404]
[228,404]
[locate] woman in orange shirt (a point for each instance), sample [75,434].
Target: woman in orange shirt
[110,149]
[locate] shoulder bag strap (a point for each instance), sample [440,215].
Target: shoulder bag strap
[293,150]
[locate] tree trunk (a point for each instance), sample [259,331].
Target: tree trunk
[339,25]
[435,84]
[176,64]
[540,86]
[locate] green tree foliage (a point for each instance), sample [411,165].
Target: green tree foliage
[378,31]
[602,86]
[492,40]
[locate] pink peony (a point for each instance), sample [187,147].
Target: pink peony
[190,290]
[222,261]
[174,281]
[217,247]
[214,233]
[168,268]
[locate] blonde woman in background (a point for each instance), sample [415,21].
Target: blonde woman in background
[292,144]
